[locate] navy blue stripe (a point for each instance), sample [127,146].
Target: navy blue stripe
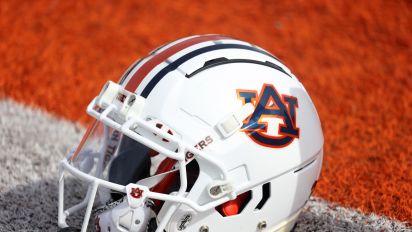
[174,65]
[231,61]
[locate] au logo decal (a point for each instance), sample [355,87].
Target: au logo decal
[270,104]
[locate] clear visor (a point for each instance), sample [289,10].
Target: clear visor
[108,154]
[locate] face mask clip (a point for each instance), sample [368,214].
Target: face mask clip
[129,105]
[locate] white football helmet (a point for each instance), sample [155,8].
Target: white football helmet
[207,133]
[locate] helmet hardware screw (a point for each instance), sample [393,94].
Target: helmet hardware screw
[137,221]
[215,190]
[131,100]
[204,229]
[262,225]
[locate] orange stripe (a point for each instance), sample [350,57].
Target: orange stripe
[85,137]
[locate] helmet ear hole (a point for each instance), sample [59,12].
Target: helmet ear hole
[236,206]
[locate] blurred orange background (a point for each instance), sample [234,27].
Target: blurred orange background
[352,56]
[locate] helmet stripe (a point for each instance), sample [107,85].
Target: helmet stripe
[174,65]
[162,56]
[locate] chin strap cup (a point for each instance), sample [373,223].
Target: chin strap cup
[131,213]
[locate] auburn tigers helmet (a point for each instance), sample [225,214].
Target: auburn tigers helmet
[206,133]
